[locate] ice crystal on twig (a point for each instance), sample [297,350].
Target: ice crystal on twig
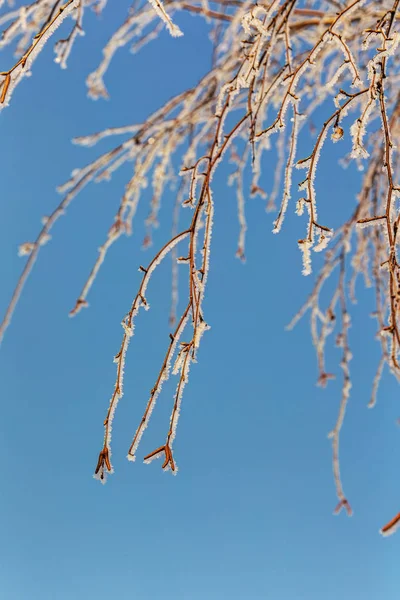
[276,67]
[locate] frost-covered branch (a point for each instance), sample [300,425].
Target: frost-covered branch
[315,74]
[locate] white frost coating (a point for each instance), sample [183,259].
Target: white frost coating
[324,239]
[288,175]
[199,114]
[179,361]
[178,399]
[223,149]
[337,134]
[305,247]
[338,98]
[241,213]
[330,84]
[92,168]
[162,13]
[160,258]
[118,391]
[189,158]
[130,29]
[358,131]
[201,328]
[303,185]
[106,174]
[91,140]
[147,461]
[132,450]
[143,426]
[128,326]
[210,223]
[174,345]
[371,223]
[22,71]
[251,19]
[300,204]
[19,24]
[390,48]
[232,90]
[102,474]
[349,63]
[183,260]
[186,356]
[22,15]
[198,283]
[304,163]
[28,247]
[63,48]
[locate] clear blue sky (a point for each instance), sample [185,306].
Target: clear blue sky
[249,516]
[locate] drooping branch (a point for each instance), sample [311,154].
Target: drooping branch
[276,67]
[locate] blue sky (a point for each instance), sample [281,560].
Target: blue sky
[249,515]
